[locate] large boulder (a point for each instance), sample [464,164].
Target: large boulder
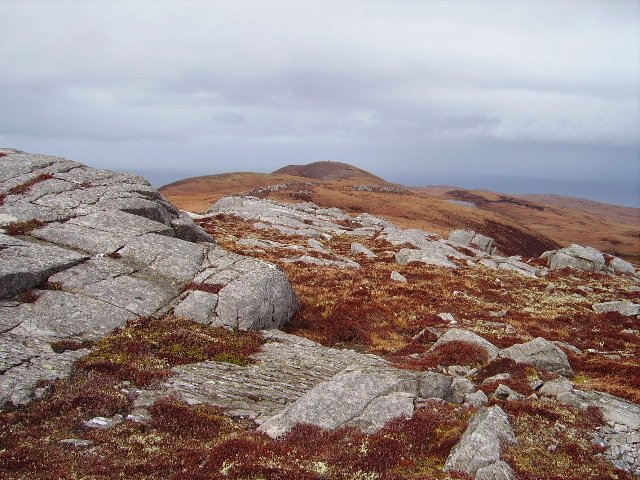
[481,444]
[581,257]
[541,353]
[460,335]
[469,238]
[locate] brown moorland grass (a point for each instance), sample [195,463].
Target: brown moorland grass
[199,442]
[517,221]
[144,351]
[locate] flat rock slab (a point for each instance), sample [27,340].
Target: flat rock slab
[296,380]
[623,307]
[24,265]
[613,409]
[287,367]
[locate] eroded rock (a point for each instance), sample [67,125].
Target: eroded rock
[482,442]
[541,353]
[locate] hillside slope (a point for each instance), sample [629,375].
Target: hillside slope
[521,224]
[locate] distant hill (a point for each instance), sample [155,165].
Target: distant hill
[521,225]
[327,170]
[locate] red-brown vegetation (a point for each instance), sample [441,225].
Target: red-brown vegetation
[23,228]
[205,287]
[454,353]
[144,351]
[26,186]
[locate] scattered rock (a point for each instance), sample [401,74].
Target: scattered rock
[359,249]
[476,399]
[472,239]
[103,422]
[460,388]
[398,277]
[553,388]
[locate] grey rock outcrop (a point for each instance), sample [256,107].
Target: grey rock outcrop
[437,254]
[24,265]
[623,307]
[482,443]
[460,335]
[470,238]
[296,380]
[364,397]
[581,257]
[541,353]
[102,249]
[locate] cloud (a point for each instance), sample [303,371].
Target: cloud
[332,76]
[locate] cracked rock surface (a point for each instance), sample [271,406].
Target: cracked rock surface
[95,249]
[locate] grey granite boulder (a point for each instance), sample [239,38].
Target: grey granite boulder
[622,266]
[499,470]
[436,254]
[541,353]
[482,442]
[582,257]
[359,249]
[623,307]
[472,239]
[460,335]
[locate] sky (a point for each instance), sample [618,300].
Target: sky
[516,96]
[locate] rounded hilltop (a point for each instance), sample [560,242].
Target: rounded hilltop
[327,170]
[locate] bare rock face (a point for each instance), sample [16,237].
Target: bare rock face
[541,353]
[478,452]
[364,397]
[624,307]
[97,249]
[472,239]
[582,257]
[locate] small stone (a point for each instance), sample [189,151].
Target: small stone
[360,249]
[398,277]
[476,399]
[460,388]
[502,392]
[103,422]
[76,442]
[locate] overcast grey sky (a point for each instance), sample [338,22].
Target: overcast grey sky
[535,96]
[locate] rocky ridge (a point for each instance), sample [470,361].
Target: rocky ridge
[95,249]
